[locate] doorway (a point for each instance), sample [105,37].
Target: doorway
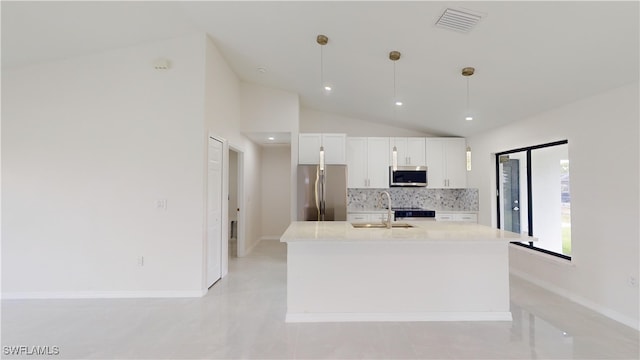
[214,210]
[233,203]
[511,194]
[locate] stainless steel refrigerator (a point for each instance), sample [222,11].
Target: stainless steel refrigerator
[322,195]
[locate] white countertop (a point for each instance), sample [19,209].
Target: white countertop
[423,231]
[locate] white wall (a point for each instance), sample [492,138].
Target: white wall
[268,110]
[223,106]
[89,144]
[271,110]
[604,157]
[313,121]
[276,190]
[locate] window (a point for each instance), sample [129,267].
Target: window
[533,195]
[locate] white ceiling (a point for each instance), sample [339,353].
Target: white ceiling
[529,56]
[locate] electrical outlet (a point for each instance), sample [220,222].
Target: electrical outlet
[161,204]
[632,281]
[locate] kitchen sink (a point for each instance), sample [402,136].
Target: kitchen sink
[380,225]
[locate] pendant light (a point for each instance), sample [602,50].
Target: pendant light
[322,40]
[468,158]
[394,56]
[321,158]
[467,72]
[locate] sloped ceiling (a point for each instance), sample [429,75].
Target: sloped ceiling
[529,56]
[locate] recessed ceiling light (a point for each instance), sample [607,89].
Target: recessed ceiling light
[262,70]
[398,103]
[271,138]
[327,88]
[468,118]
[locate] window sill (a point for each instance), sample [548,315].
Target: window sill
[543,256]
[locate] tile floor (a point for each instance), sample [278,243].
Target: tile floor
[242,316]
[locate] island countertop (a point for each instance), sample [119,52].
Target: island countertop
[312,231]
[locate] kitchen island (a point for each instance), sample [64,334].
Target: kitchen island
[434,271]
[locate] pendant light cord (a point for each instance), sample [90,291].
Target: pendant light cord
[321,67]
[394,81]
[467,93]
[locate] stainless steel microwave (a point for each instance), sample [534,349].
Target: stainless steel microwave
[408,176]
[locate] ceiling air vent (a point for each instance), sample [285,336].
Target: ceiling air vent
[458,20]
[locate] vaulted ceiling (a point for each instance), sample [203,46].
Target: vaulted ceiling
[529,56]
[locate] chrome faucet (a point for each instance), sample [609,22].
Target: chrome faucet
[388,209]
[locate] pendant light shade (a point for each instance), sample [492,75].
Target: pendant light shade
[321,158]
[394,158]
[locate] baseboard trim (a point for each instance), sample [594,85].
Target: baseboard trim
[102,294]
[612,314]
[422,316]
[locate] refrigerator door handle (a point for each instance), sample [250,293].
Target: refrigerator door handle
[322,195]
[317,198]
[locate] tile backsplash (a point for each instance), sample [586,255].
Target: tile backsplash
[432,199]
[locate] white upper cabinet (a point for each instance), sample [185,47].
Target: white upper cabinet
[368,162]
[411,151]
[378,162]
[357,176]
[446,162]
[334,148]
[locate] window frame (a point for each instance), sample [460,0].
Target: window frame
[530,231]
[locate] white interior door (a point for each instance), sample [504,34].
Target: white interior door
[214,212]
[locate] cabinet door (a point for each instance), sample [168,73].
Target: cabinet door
[467,217]
[358,218]
[456,162]
[378,162]
[334,148]
[415,152]
[445,216]
[357,162]
[378,217]
[401,147]
[309,148]
[435,163]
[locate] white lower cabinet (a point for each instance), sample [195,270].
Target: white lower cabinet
[456,216]
[367,217]
[358,218]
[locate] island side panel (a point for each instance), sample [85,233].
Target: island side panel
[408,280]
